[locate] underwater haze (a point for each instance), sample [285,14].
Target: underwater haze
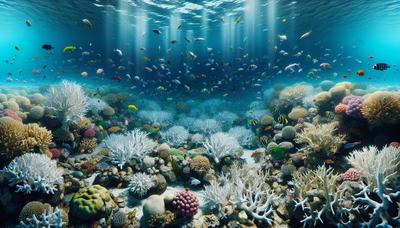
[219,113]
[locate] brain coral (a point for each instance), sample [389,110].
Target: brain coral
[33,208]
[91,203]
[382,108]
[17,138]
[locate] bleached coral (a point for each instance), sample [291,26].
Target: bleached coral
[321,138]
[206,126]
[34,173]
[320,197]
[50,218]
[175,136]
[295,93]
[140,184]
[370,159]
[96,105]
[125,147]
[197,138]
[243,135]
[220,145]
[216,195]
[156,117]
[226,119]
[68,100]
[256,114]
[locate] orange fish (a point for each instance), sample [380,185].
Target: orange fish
[360,72]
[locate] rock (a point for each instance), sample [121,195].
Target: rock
[163,147]
[153,205]
[77,174]
[288,146]
[149,162]
[288,132]
[160,184]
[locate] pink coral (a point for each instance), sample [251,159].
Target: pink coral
[55,152]
[395,144]
[10,113]
[90,132]
[340,108]
[354,105]
[186,203]
[351,175]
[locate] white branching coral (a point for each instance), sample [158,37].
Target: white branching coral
[175,136]
[206,126]
[321,138]
[68,100]
[125,147]
[34,173]
[140,184]
[220,145]
[370,160]
[243,135]
[156,117]
[226,119]
[318,196]
[50,218]
[245,188]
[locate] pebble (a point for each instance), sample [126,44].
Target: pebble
[77,174]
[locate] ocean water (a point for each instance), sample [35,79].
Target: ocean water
[186,71]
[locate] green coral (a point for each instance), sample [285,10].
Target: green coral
[177,154]
[92,203]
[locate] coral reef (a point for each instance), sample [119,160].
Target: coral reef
[243,135]
[221,144]
[34,173]
[381,108]
[140,184]
[175,136]
[186,203]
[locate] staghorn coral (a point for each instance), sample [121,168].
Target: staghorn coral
[370,159]
[87,145]
[206,126]
[156,117]
[319,197]
[125,147]
[34,173]
[220,145]
[321,138]
[382,108]
[216,195]
[175,136]
[69,101]
[140,184]
[49,218]
[17,138]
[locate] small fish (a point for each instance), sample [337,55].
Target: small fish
[69,49]
[360,72]
[194,182]
[282,38]
[148,69]
[381,66]
[345,76]
[132,107]
[28,23]
[253,122]
[305,35]
[156,31]
[84,74]
[47,47]
[119,185]
[116,78]
[17,48]
[119,52]
[199,39]
[282,119]
[87,23]
[179,26]
[36,72]
[187,40]
[173,41]
[99,71]
[351,145]
[192,55]
[325,65]
[238,20]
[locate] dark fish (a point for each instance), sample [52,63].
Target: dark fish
[351,145]
[282,119]
[187,40]
[381,66]
[156,31]
[253,122]
[17,48]
[44,67]
[47,47]
[116,78]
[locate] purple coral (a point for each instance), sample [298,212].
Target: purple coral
[354,105]
[186,203]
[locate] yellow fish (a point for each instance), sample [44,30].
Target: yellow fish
[132,107]
[69,49]
[145,58]
[282,119]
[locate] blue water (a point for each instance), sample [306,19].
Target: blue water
[236,35]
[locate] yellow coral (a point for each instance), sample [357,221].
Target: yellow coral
[318,138]
[17,138]
[83,123]
[87,145]
[297,113]
[296,93]
[382,108]
[200,165]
